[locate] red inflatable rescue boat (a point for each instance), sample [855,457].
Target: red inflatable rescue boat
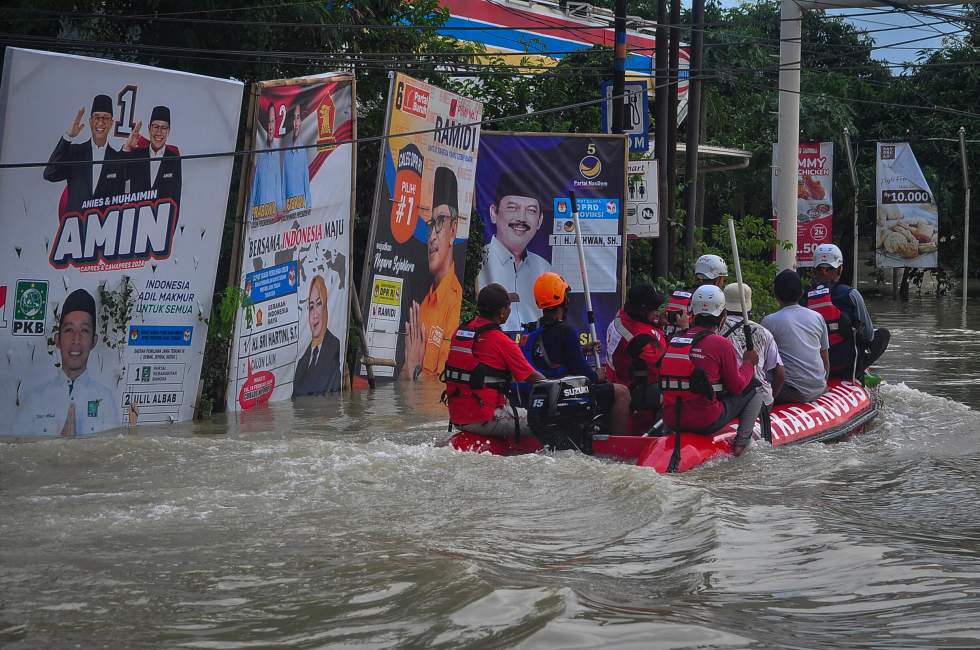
[845,409]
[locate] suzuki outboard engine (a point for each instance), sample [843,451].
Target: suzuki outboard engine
[562,413]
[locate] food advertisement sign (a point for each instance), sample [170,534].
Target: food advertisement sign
[908,217]
[111,242]
[814,198]
[523,184]
[292,340]
[412,284]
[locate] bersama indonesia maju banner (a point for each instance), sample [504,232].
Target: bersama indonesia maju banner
[413,270]
[111,244]
[292,339]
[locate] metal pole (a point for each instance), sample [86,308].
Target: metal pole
[585,278]
[966,213]
[673,67]
[693,123]
[854,182]
[662,248]
[619,67]
[788,131]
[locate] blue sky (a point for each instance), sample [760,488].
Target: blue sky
[912,26]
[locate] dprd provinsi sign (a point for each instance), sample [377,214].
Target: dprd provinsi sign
[907,217]
[112,244]
[413,270]
[296,246]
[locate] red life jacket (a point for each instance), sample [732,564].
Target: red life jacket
[474,390]
[680,300]
[630,368]
[680,380]
[821,301]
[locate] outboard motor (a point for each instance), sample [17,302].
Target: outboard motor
[562,413]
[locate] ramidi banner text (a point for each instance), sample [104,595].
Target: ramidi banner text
[814,199]
[523,181]
[908,218]
[113,245]
[296,246]
[413,267]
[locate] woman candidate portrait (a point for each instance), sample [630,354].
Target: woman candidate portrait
[318,370]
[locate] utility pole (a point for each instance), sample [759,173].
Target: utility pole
[857,205]
[966,216]
[661,251]
[672,100]
[693,122]
[619,67]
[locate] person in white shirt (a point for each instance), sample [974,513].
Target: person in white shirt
[72,403]
[801,335]
[85,182]
[769,371]
[517,215]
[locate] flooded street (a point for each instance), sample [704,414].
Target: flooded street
[289,528]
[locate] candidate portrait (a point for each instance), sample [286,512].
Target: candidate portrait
[153,164]
[318,369]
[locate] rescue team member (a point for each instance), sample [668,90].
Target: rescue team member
[72,403]
[709,269]
[482,363]
[637,345]
[854,342]
[553,349]
[770,363]
[703,384]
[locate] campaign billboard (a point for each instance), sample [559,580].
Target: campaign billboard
[814,197]
[908,217]
[523,182]
[413,270]
[112,242]
[295,272]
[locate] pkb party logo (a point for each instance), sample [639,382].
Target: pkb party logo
[590,167]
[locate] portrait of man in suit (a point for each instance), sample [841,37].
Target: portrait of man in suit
[102,177]
[318,370]
[154,164]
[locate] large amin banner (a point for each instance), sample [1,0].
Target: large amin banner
[908,217]
[522,193]
[814,198]
[112,246]
[413,271]
[297,241]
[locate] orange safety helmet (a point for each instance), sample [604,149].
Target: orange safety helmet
[549,290]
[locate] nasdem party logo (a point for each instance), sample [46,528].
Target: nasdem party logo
[590,167]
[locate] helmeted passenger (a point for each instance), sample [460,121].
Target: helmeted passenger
[637,343]
[482,363]
[554,349]
[708,270]
[704,383]
[854,342]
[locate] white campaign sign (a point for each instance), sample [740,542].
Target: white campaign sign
[112,245]
[908,218]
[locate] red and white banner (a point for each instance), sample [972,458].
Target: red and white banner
[814,198]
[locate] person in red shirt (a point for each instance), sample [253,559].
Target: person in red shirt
[637,343]
[703,383]
[482,363]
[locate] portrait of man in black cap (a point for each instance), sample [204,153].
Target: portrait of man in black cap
[72,402]
[154,165]
[517,214]
[92,180]
[430,325]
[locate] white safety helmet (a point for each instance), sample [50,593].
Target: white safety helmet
[828,254]
[711,267]
[708,299]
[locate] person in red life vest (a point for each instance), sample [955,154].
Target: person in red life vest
[637,343]
[708,270]
[854,342]
[482,363]
[553,347]
[703,383]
